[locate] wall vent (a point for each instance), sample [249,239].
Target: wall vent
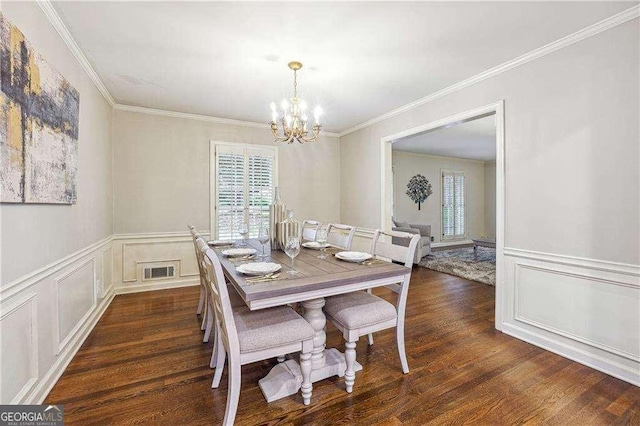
[158,272]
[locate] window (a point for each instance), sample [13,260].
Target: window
[452,205]
[244,180]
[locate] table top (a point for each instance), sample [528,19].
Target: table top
[483,240]
[316,278]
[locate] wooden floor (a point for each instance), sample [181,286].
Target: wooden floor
[145,363]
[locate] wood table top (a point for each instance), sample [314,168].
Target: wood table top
[315,276]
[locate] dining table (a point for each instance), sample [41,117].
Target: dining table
[316,280]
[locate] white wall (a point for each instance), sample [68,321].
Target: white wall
[162,172]
[408,165]
[571,131]
[161,175]
[56,259]
[490,199]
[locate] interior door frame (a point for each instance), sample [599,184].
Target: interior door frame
[496,109]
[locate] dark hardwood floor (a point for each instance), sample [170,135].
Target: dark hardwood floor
[144,363]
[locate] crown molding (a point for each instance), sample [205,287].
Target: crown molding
[61,28]
[598,27]
[208,118]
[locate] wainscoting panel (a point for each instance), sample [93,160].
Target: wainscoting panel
[586,310]
[75,294]
[18,335]
[132,252]
[44,318]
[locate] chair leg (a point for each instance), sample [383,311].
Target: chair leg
[205,313]
[209,326]
[307,387]
[401,352]
[221,355]
[233,395]
[201,301]
[350,357]
[217,344]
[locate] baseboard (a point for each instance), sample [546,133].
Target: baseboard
[48,381]
[451,243]
[600,362]
[137,288]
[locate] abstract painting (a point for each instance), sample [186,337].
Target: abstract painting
[39,112]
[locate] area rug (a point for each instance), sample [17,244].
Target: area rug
[460,262]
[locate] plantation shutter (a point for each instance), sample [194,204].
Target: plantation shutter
[245,180]
[260,164]
[453,210]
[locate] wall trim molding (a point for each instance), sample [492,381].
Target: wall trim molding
[78,336]
[199,117]
[20,284]
[57,23]
[580,262]
[158,285]
[590,359]
[150,235]
[597,28]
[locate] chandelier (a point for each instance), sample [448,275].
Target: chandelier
[293,122]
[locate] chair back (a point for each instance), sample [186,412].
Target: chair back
[309,230]
[195,235]
[398,253]
[221,303]
[341,236]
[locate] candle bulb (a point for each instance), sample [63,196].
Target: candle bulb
[317,113]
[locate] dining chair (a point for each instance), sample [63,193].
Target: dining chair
[234,297]
[250,336]
[359,313]
[309,230]
[340,236]
[202,301]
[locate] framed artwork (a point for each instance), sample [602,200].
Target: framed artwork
[39,113]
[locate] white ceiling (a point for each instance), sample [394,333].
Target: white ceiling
[362,59]
[473,140]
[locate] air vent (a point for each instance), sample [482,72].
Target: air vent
[158,272]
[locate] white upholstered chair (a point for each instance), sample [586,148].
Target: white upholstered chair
[359,313]
[340,236]
[248,336]
[309,229]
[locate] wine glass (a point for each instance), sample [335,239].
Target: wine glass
[292,249]
[321,238]
[243,230]
[263,238]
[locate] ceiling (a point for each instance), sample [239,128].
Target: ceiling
[473,140]
[361,59]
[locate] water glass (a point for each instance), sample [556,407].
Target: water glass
[243,230]
[292,249]
[263,238]
[321,238]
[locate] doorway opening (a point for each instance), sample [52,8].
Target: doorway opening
[459,162]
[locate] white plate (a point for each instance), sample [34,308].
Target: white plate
[258,268]
[220,243]
[314,245]
[235,252]
[353,256]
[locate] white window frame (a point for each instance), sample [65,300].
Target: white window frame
[213,175]
[455,237]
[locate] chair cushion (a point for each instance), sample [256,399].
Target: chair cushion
[359,309]
[270,328]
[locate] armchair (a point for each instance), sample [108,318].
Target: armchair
[424,245]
